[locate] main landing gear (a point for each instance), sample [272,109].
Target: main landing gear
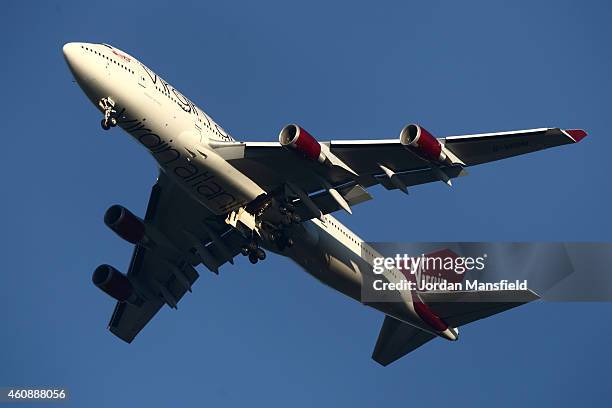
[107,105]
[267,219]
[254,252]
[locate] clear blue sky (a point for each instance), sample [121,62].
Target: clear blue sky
[270,334]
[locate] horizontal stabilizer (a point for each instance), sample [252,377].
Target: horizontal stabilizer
[396,339]
[459,308]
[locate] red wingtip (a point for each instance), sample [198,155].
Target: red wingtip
[576,134]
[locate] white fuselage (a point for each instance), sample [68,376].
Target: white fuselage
[179,136]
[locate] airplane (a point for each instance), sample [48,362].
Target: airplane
[216,197]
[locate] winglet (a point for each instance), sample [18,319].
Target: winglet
[575,134]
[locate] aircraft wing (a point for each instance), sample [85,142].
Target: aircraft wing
[364,163]
[186,235]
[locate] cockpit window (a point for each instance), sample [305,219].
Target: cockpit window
[106,45]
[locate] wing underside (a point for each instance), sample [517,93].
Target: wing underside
[365,163]
[187,236]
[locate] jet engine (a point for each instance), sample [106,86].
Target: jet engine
[115,284]
[422,143]
[125,224]
[294,137]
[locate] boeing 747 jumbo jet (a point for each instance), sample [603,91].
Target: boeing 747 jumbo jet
[216,198]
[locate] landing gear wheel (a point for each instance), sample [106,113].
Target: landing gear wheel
[253,258]
[107,106]
[260,254]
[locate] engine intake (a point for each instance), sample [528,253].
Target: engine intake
[125,224]
[114,283]
[422,143]
[294,137]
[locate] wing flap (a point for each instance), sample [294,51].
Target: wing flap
[353,194]
[420,176]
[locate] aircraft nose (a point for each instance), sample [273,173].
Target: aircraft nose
[69,50]
[76,60]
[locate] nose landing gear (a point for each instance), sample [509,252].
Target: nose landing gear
[107,106]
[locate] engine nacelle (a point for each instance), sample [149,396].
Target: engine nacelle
[114,283]
[422,143]
[125,224]
[294,137]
